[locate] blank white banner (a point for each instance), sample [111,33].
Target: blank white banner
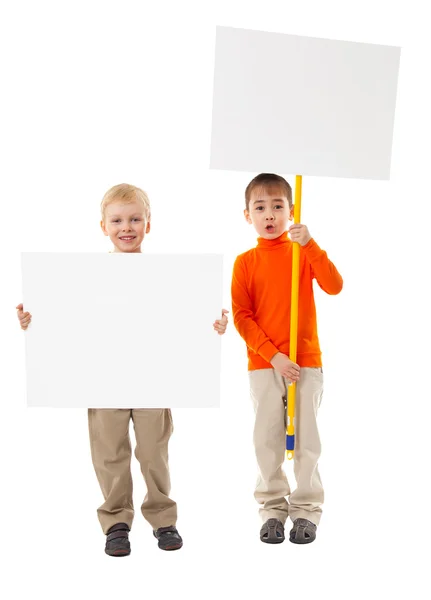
[293,104]
[122,330]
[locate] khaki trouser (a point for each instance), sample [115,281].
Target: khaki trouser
[111,453]
[269,392]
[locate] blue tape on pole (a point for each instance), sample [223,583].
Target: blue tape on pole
[290,442]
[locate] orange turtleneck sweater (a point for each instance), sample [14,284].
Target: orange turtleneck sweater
[261,295]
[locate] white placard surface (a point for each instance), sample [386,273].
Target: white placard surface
[308,106]
[122,330]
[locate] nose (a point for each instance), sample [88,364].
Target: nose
[270,216]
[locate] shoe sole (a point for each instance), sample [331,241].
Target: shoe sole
[176,547]
[118,553]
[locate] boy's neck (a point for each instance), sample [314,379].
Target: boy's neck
[270,243]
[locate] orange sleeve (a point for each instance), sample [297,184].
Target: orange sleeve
[243,316]
[325,273]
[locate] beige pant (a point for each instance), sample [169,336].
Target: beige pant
[269,392]
[111,453]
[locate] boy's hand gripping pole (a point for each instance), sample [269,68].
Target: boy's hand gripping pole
[291,389]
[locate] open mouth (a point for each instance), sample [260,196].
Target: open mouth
[127,238]
[270,228]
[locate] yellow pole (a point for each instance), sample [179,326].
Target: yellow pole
[291,390]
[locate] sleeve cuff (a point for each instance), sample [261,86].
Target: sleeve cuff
[267,351]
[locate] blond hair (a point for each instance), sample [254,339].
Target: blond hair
[125,193]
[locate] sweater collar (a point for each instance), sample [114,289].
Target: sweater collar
[274,243]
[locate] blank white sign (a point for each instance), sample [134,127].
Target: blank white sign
[293,104]
[122,330]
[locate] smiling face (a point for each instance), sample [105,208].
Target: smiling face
[126,225]
[268,211]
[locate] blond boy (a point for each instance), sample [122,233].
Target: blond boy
[126,219]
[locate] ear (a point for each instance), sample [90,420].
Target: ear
[148,227]
[102,225]
[291,213]
[247,216]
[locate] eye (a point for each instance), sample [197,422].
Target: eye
[279,206]
[136,219]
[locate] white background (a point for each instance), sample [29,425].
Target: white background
[140,300]
[98,95]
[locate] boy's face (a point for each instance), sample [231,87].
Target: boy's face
[125,225]
[268,212]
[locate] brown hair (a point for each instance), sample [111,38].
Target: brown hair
[125,193]
[268,180]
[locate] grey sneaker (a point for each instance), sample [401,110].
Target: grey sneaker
[272,532]
[169,538]
[117,540]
